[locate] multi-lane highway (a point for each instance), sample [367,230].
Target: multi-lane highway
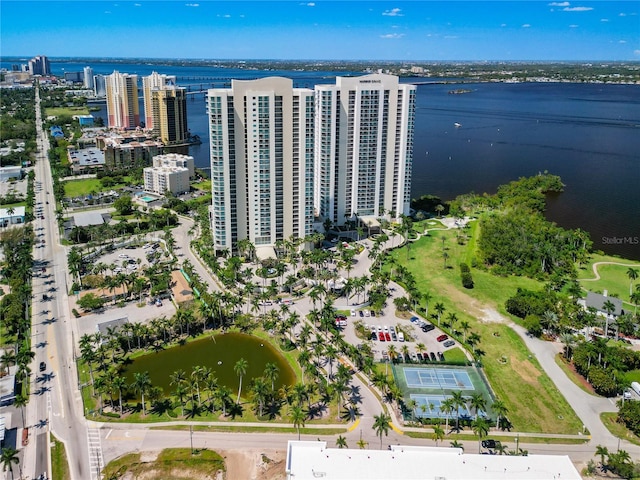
[55,402]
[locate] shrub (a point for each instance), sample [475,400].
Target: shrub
[75,313]
[465,276]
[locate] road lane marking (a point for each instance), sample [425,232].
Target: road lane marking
[354,426]
[395,429]
[108,433]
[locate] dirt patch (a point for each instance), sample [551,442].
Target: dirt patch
[527,371]
[579,378]
[254,464]
[473,307]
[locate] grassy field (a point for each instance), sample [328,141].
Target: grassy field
[510,368]
[62,111]
[613,278]
[633,376]
[59,465]
[79,188]
[618,429]
[171,463]
[507,441]
[204,185]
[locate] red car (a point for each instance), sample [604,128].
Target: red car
[387,336]
[442,338]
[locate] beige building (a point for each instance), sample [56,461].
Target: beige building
[261,141]
[170,173]
[126,150]
[123,111]
[169,114]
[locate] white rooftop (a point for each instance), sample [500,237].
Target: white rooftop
[313,460]
[86,219]
[18,211]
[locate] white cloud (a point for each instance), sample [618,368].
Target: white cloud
[191,4]
[503,24]
[636,52]
[526,25]
[392,35]
[577,9]
[309,4]
[394,12]
[622,41]
[622,14]
[559,4]
[108,12]
[137,4]
[450,36]
[573,26]
[604,19]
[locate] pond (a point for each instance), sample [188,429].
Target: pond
[219,353]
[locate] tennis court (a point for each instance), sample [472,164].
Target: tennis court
[454,379]
[428,406]
[430,386]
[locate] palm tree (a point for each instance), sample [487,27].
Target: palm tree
[632,273]
[477,402]
[500,409]
[446,407]
[119,383]
[341,442]
[240,368]
[609,307]
[141,384]
[440,308]
[480,427]
[458,401]
[21,401]
[10,456]
[603,452]
[456,444]
[438,434]
[381,424]
[297,417]
[271,373]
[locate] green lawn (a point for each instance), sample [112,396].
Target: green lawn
[59,465]
[633,376]
[62,111]
[511,370]
[618,429]
[79,188]
[204,185]
[613,278]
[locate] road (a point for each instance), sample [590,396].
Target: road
[55,403]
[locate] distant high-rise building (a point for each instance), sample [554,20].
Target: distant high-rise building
[363,147]
[155,81]
[169,107]
[100,85]
[39,65]
[261,141]
[88,77]
[122,101]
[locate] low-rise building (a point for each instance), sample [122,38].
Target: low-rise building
[10,173]
[85,160]
[170,173]
[11,216]
[312,460]
[131,149]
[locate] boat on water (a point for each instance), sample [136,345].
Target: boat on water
[457,125]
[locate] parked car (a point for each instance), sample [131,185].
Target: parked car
[441,356]
[449,343]
[420,357]
[414,319]
[394,337]
[387,337]
[374,336]
[427,328]
[361,313]
[353,312]
[373,313]
[442,337]
[432,356]
[490,443]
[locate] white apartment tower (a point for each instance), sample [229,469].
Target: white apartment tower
[123,109]
[364,145]
[261,136]
[87,77]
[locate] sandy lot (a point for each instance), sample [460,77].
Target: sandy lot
[255,464]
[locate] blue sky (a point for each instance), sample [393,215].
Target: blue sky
[333,30]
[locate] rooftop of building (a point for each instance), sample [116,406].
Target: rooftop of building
[312,460]
[87,156]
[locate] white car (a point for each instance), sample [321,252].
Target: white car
[386,329]
[353,312]
[123,255]
[366,313]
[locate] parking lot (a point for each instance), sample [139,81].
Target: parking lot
[386,329]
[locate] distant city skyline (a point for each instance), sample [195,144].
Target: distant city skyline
[324,30]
